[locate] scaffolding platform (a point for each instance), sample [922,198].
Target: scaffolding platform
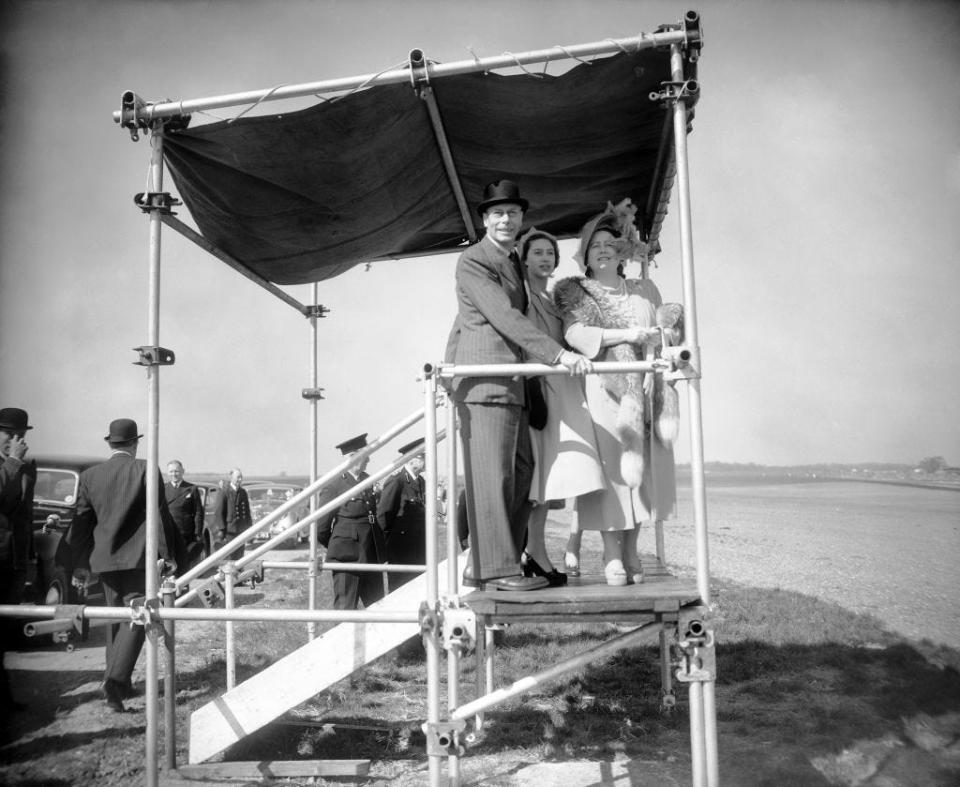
[588,597]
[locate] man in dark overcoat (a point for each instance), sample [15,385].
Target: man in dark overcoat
[401,512]
[232,514]
[18,475]
[491,328]
[351,534]
[186,508]
[108,536]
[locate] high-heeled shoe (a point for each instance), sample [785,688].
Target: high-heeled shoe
[615,573]
[531,568]
[571,563]
[634,572]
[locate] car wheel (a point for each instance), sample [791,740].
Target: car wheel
[59,589]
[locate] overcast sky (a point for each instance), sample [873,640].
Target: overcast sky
[825,181]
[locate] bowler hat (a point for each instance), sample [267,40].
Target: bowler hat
[501,191]
[14,419]
[123,430]
[410,446]
[353,444]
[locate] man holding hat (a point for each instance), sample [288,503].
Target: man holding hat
[18,475]
[491,328]
[108,536]
[351,534]
[402,515]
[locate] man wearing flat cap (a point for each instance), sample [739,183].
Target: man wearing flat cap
[402,515]
[18,475]
[491,328]
[108,536]
[351,534]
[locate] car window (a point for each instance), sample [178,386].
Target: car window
[56,486]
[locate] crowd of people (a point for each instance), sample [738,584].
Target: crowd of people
[604,441]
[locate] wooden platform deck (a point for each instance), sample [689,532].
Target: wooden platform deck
[588,597]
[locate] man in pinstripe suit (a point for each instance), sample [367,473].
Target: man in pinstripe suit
[108,536]
[491,328]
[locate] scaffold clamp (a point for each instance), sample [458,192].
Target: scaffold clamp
[72,612]
[312,393]
[687,91]
[443,737]
[315,311]
[458,625]
[143,612]
[697,658]
[162,201]
[154,356]
[210,593]
[252,573]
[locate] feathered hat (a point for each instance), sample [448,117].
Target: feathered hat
[620,220]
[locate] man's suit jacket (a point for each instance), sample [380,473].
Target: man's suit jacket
[491,327]
[109,530]
[233,512]
[186,508]
[17,479]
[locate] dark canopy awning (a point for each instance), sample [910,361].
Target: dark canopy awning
[304,196]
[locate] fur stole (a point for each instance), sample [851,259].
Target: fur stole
[583,300]
[666,401]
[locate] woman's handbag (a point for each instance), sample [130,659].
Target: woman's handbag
[536,403]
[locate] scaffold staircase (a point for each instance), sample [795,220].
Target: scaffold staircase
[304,673]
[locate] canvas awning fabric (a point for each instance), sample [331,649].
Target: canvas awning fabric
[304,196]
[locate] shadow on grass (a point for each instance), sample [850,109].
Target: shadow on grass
[778,707]
[42,747]
[46,697]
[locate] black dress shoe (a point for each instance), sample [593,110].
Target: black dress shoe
[128,690]
[113,694]
[531,568]
[516,582]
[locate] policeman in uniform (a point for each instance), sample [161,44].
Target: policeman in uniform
[351,534]
[402,514]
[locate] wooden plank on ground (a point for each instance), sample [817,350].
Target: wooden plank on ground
[273,769]
[304,673]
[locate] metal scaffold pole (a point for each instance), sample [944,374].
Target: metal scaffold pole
[430,643]
[314,465]
[152,434]
[136,109]
[703,730]
[453,579]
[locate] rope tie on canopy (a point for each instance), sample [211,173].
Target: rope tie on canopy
[572,56]
[523,68]
[256,103]
[362,85]
[618,45]
[476,59]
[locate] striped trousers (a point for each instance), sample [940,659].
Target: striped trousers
[498,468]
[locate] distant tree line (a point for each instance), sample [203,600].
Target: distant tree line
[932,464]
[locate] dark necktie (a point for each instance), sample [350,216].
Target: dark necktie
[518,268]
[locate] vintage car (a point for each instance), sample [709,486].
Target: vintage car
[264,497]
[54,505]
